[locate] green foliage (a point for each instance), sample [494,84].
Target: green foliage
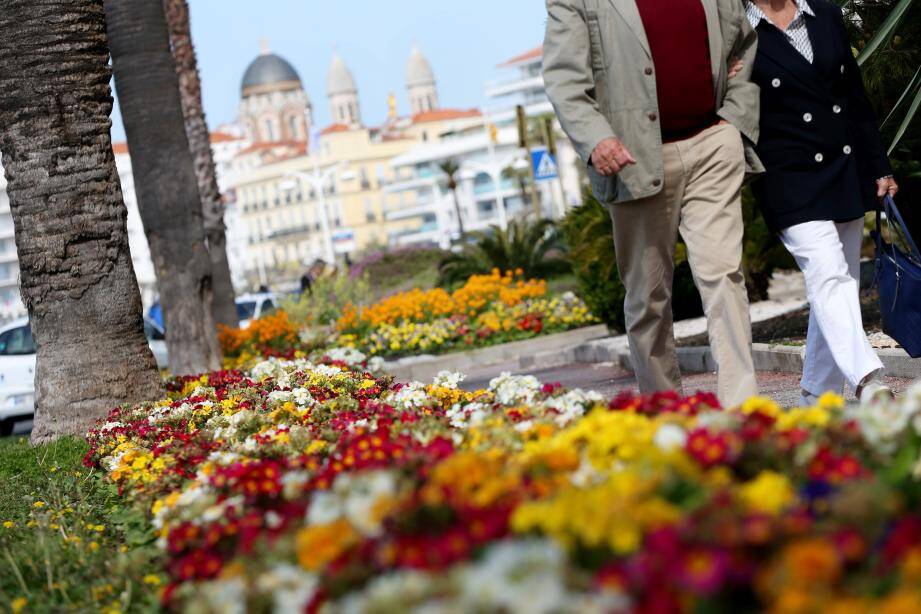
[534,247]
[886,34]
[590,237]
[762,251]
[67,541]
[395,270]
[323,305]
[589,234]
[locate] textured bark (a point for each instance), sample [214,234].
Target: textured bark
[223,305]
[165,181]
[77,280]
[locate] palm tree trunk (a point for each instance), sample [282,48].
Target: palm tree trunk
[223,306]
[457,210]
[164,175]
[77,280]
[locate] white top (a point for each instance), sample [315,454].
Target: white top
[797,33]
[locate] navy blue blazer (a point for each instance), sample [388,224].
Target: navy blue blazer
[820,140]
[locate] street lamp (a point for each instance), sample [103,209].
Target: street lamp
[318,180]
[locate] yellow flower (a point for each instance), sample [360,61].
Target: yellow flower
[9,524]
[19,604]
[39,504]
[769,493]
[152,580]
[762,405]
[318,545]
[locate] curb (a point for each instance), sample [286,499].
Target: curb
[543,352]
[767,357]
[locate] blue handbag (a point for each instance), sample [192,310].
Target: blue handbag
[898,277]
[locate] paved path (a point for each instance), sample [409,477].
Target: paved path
[610,380]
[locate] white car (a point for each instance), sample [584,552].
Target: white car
[17,369]
[253,306]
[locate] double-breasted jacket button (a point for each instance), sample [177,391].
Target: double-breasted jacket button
[775,82]
[819,157]
[847,149]
[807,117]
[648,70]
[842,69]
[653,117]
[656,183]
[836,108]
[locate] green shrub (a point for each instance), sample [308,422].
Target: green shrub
[534,247]
[589,234]
[396,270]
[329,295]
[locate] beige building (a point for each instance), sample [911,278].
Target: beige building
[277,179]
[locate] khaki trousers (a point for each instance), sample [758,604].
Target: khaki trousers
[701,199]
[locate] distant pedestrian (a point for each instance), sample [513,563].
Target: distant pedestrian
[641,88]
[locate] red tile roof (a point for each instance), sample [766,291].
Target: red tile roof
[291,145]
[334,128]
[121,147]
[533,54]
[223,137]
[439,115]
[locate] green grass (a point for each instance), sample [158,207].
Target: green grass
[67,542]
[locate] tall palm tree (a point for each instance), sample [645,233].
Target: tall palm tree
[164,173]
[77,280]
[223,305]
[450,169]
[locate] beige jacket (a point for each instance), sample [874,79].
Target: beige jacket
[599,75]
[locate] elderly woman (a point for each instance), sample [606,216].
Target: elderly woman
[826,166]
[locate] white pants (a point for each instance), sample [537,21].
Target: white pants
[837,348]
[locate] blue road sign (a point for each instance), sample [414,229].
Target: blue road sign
[544,163]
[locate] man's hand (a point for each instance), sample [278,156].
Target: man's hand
[611,156]
[735,67]
[886,185]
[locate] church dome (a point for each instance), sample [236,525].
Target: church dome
[339,80]
[418,70]
[267,70]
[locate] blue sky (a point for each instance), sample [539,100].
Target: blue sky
[463,40]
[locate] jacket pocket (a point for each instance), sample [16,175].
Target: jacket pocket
[604,188]
[595,42]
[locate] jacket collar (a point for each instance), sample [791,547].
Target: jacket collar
[755,14]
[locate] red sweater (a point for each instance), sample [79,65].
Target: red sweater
[678,39]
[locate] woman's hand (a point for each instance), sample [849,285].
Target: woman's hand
[735,67]
[886,186]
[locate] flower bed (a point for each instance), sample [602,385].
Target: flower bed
[487,310]
[323,486]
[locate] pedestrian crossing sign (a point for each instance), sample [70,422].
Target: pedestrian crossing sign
[544,164]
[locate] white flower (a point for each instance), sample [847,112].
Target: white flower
[670,437]
[409,396]
[225,596]
[466,416]
[882,419]
[523,577]
[108,426]
[515,389]
[572,405]
[449,379]
[303,397]
[349,356]
[353,497]
[290,587]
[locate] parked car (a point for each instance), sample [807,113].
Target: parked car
[253,306]
[249,307]
[17,369]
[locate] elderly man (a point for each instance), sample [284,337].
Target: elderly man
[641,88]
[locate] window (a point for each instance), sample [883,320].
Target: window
[365,182]
[369,210]
[269,130]
[17,342]
[246,309]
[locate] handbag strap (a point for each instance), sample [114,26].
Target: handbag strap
[892,213]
